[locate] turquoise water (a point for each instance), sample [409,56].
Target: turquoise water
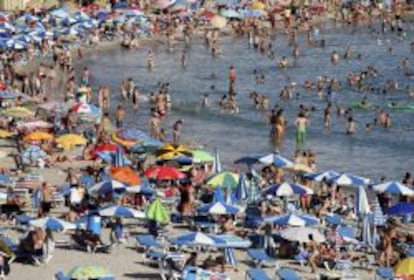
[380,153]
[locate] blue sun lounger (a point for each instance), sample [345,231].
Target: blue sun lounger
[384,273]
[261,258]
[257,274]
[148,241]
[287,274]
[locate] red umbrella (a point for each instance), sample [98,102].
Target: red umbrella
[164,173]
[207,15]
[104,148]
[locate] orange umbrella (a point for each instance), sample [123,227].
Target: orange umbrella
[125,175]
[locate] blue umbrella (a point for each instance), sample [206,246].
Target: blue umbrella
[399,209]
[218,195]
[197,239]
[287,189]
[34,153]
[320,176]
[349,180]
[147,144]
[216,162]
[52,224]
[240,193]
[119,159]
[393,188]
[121,212]
[107,187]
[218,208]
[292,219]
[275,159]
[133,134]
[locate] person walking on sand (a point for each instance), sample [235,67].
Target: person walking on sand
[301,124]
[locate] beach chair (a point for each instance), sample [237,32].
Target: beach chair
[257,274]
[11,249]
[261,258]
[150,245]
[167,272]
[61,276]
[287,274]
[384,273]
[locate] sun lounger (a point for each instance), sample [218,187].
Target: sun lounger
[261,258]
[257,274]
[287,274]
[148,241]
[384,273]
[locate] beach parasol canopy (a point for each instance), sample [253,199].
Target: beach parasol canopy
[18,112]
[68,141]
[218,208]
[164,173]
[38,136]
[54,224]
[200,156]
[34,125]
[348,180]
[405,267]
[197,239]
[125,175]
[5,133]
[89,272]
[169,151]
[147,145]
[121,212]
[107,187]
[393,188]
[256,5]
[218,22]
[84,108]
[287,189]
[320,176]
[291,219]
[157,212]
[224,179]
[402,208]
[132,134]
[302,234]
[275,159]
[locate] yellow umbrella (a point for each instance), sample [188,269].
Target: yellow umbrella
[257,6]
[218,21]
[18,112]
[123,142]
[68,141]
[170,151]
[38,136]
[5,133]
[405,267]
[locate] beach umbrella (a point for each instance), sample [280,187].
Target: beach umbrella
[147,145]
[34,125]
[349,180]
[38,136]
[132,134]
[320,176]
[276,160]
[125,175]
[89,272]
[393,188]
[287,189]
[347,234]
[218,22]
[34,153]
[121,212]
[16,44]
[200,156]
[224,179]
[157,212]
[143,188]
[122,141]
[54,224]
[107,187]
[216,162]
[399,209]
[218,208]
[240,193]
[169,151]
[104,148]
[18,112]
[197,239]
[405,267]
[5,133]
[84,108]
[292,219]
[119,159]
[68,141]
[301,234]
[164,173]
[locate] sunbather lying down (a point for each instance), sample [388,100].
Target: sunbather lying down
[91,242]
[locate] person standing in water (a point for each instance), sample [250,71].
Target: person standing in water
[119,117]
[328,117]
[301,124]
[232,78]
[150,60]
[177,131]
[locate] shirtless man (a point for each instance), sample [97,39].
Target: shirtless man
[119,117]
[301,124]
[154,125]
[177,131]
[328,117]
[334,58]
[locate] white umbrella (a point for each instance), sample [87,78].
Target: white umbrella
[302,234]
[122,212]
[52,224]
[393,188]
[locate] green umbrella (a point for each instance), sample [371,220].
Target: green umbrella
[202,156]
[224,179]
[157,212]
[89,272]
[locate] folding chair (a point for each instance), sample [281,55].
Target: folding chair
[257,274]
[287,274]
[261,258]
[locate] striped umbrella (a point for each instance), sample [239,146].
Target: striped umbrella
[276,160]
[378,219]
[320,176]
[119,158]
[349,180]
[52,224]
[393,188]
[197,239]
[287,189]
[218,208]
[292,219]
[107,187]
[240,193]
[121,212]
